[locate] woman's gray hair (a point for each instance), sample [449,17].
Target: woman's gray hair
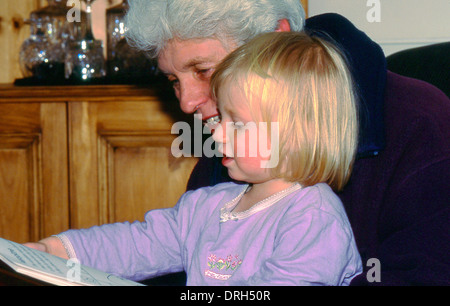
[152,23]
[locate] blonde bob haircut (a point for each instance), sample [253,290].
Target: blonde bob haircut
[303,83]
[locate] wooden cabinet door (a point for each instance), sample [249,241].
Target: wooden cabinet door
[33,170]
[121,164]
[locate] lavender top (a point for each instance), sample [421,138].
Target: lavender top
[297,237]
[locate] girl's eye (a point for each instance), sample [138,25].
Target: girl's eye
[238,124]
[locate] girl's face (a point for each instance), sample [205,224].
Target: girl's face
[244,143]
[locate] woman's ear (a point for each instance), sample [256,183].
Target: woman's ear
[283,26]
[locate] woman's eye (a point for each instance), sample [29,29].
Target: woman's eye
[205,74]
[238,124]
[174,83]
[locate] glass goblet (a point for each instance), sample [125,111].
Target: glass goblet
[85,61]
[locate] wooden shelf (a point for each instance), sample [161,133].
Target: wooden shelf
[32,94]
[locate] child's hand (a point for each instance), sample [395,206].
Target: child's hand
[37,246]
[51,245]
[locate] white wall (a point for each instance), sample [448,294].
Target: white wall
[394,24]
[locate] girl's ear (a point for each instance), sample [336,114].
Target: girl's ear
[283,26]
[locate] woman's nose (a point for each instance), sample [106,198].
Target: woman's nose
[192,96]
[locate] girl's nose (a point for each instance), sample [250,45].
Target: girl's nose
[218,134]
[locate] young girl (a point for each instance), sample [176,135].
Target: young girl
[283,225]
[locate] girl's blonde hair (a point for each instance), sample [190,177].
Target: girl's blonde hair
[303,83]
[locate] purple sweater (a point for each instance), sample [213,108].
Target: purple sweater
[299,237]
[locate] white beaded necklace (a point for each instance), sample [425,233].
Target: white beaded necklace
[227,214]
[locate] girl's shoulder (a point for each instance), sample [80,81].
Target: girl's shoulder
[315,207]
[227,187]
[213,194]
[317,198]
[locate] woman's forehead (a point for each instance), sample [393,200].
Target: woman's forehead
[183,54]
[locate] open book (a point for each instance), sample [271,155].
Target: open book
[53,269]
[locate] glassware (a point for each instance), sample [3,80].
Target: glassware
[84,59]
[45,50]
[124,61]
[38,56]
[54,17]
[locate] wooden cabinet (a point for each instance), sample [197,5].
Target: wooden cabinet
[73,157]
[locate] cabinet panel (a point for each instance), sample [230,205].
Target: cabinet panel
[20,196]
[120,161]
[33,171]
[141,174]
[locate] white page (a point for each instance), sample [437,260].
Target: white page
[54,269]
